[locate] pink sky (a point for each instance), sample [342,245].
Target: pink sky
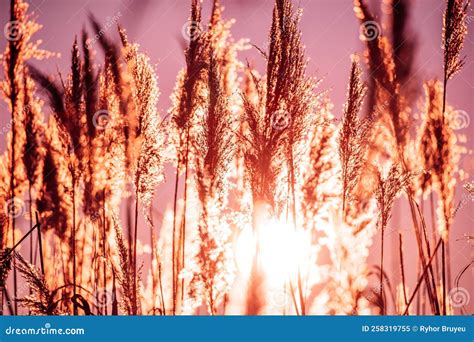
[330,32]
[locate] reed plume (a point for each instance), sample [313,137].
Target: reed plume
[354,138]
[120,112]
[187,98]
[441,153]
[280,116]
[43,300]
[454,32]
[215,148]
[6,256]
[264,145]
[382,66]
[388,187]
[35,134]
[67,109]
[275,201]
[380,60]
[53,201]
[148,170]
[292,90]
[126,275]
[292,93]
[19,50]
[149,164]
[263,157]
[92,191]
[33,153]
[12,66]
[334,183]
[320,171]
[404,41]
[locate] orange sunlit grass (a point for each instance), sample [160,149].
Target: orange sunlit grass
[275,202]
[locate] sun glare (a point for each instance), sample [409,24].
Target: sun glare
[282,249]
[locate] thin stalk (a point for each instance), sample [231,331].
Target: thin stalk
[293,297]
[445,86]
[287,207]
[114,297]
[443,270]
[402,267]
[255,280]
[79,263]
[74,239]
[19,242]
[448,266]
[434,303]
[12,187]
[40,243]
[428,250]
[31,222]
[224,306]
[381,269]
[344,186]
[292,188]
[104,248]
[173,247]
[158,261]
[9,303]
[421,254]
[293,212]
[420,280]
[129,228]
[14,54]
[183,223]
[152,258]
[161,289]
[4,291]
[134,260]
[418,299]
[301,294]
[433,231]
[443,252]
[31,227]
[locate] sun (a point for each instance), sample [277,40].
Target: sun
[282,251]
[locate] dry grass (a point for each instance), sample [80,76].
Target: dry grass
[266,179]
